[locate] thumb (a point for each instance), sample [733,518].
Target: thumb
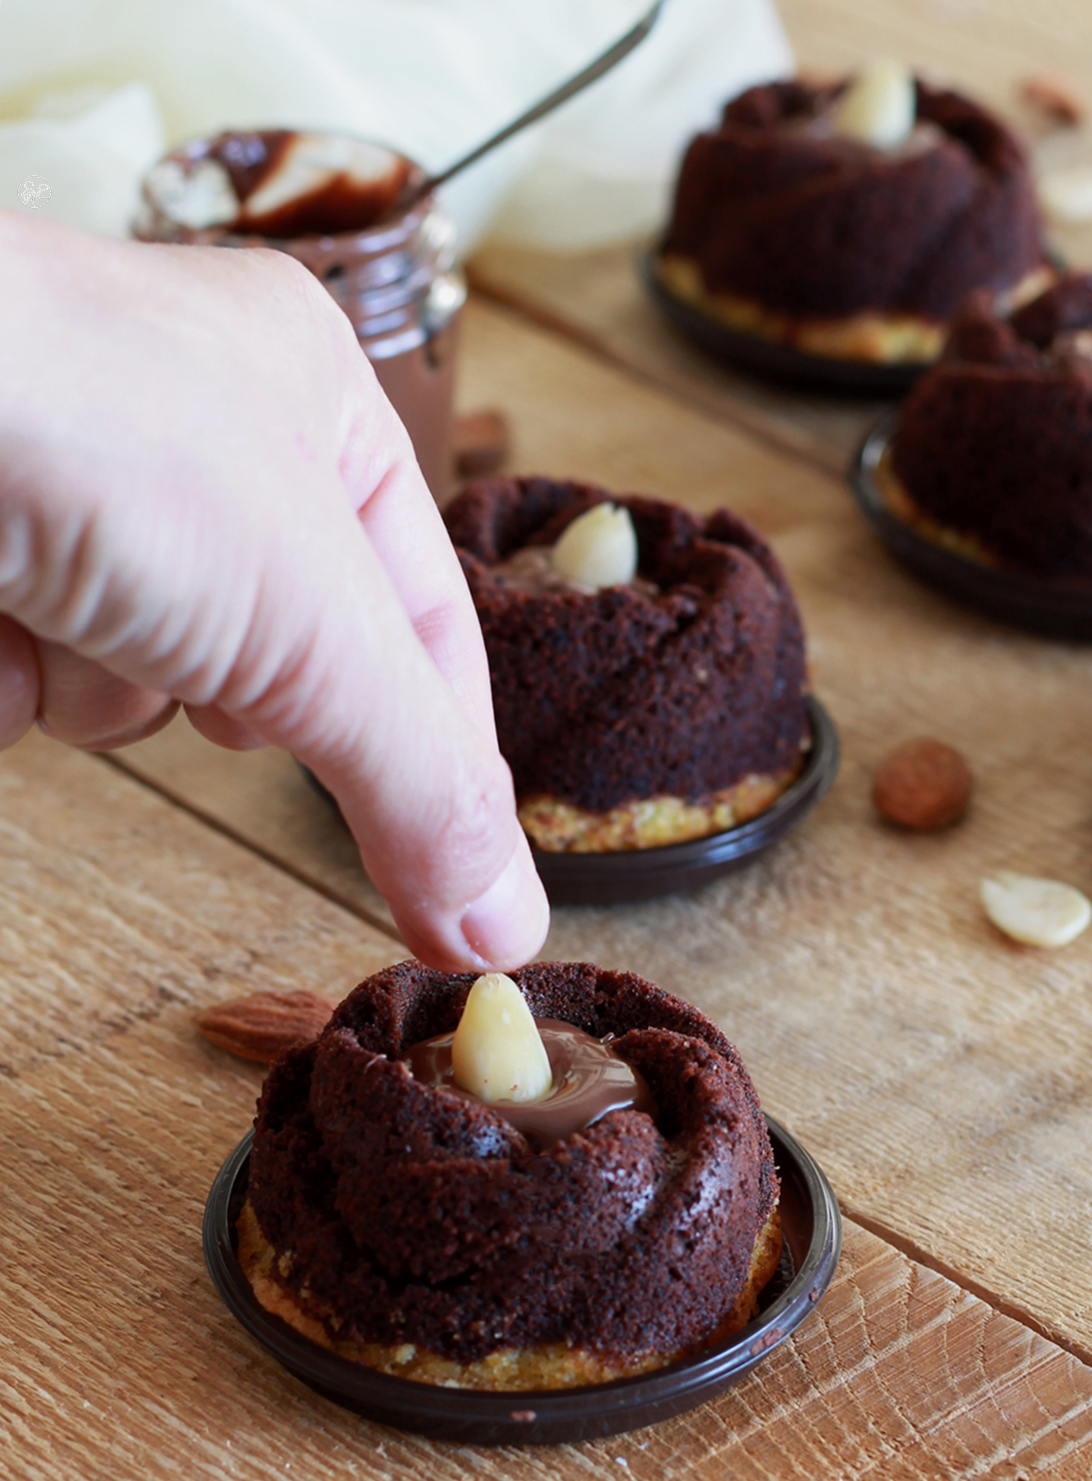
[420,782]
[357,695]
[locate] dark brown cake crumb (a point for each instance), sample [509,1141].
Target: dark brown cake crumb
[413,1215]
[995,442]
[820,226]
[624,694]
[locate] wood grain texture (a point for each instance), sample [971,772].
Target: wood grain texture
[262,798]
[985,47]
[597,300]
[116,910]
[939,1073]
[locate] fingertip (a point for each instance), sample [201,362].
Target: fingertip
[500,931]
[85,705]
[143,729]
[507,924]
[20,684]
[211,722]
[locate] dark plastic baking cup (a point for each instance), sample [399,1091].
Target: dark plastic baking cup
[1052,608]
[642,874]
[773,360]
[812,1230]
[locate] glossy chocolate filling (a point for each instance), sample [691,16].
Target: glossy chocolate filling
[589,1080]
[342,202]
[531,569]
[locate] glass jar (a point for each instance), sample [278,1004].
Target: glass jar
[394,275]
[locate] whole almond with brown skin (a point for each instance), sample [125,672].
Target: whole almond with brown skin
[261,1026]
[1056,99]
[481,441]
[924,784]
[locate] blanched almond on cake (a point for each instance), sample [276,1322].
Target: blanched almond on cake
[263,1025]
[497,1052]
[879,105]
[599,548]
[924,784]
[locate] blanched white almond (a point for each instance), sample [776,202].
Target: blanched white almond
[201,197]
[1067,194]
[1039,912]
[879,105]
[312,161]
[497,1052]
[598,549]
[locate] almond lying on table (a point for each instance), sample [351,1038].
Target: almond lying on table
[1038,912]
[1056,99]
[264,1024]
[482,442]
[923,784]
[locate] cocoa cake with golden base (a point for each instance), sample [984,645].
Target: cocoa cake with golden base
[992,454]
[788,231]
[418,1231]
[646,713]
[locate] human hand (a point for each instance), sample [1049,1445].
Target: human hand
[206,499]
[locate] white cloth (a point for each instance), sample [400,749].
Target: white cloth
[92,91]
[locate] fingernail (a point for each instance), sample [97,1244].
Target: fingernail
[507,925]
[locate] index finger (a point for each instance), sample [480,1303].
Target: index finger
[404,527]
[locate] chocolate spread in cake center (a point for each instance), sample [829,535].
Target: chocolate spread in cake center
[531,569]
[589,1079]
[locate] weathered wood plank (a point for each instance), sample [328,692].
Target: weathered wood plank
[118,910]
[597,300]
[263,798]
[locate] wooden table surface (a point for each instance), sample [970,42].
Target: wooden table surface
[941,1075]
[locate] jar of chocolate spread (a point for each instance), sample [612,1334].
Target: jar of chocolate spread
[333,203]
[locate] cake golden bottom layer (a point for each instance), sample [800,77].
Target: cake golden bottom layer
[872,336]
[511,1369]
[559,827]
[900,502]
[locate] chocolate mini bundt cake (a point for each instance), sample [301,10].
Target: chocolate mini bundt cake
[659,709]
[993,450]
[789,230]
[414,1228]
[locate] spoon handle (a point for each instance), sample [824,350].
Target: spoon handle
[614,54]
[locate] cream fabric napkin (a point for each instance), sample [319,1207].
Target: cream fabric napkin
[92,91]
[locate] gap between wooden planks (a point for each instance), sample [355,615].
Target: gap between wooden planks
[117,1358]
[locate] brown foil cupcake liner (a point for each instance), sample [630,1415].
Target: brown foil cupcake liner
[1052,608]
[773,360]
[812,1232]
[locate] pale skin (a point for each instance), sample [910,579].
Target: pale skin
[207,501]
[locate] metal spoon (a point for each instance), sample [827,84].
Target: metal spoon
[602,64]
